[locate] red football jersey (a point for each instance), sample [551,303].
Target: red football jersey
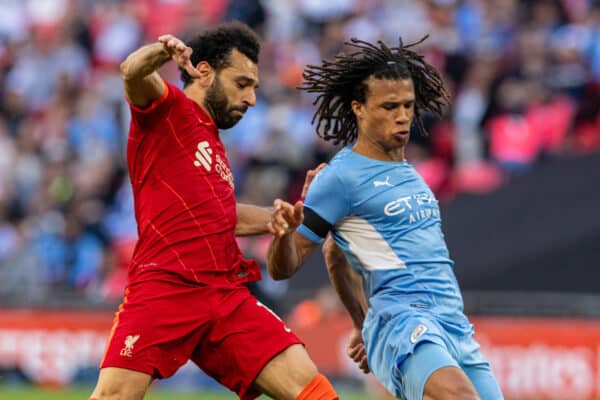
[184,199]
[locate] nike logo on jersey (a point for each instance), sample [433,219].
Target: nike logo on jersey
[203,156]
[383,183]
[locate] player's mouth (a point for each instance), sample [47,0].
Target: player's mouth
[239,112]
[401,135]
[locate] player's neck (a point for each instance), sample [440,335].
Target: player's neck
[375,151]
[197,96]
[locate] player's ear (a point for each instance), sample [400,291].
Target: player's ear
[207,72]
[358,109]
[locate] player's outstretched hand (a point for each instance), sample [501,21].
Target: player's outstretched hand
[357,352]
[310,175]
[285,218]
[180,53]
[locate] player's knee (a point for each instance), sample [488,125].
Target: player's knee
[464,393]
[118,393]
[121,384]
[286,375]
[319,388]
[307,374]
[456,392]
[303,372]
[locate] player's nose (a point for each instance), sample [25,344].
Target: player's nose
[402,117]
[249,97]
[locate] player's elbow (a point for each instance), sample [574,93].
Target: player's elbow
[125,69]
[278,274]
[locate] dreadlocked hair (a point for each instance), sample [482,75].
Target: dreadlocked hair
[343,80]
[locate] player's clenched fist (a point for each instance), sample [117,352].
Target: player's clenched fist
[180,53]
[356,351]
[285,217]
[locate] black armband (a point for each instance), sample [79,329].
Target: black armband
[315,223]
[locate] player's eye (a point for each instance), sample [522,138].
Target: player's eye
[409,104]
[390,106]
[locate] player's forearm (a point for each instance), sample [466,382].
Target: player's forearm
[252,220]
[282,258]
[347,283]
[350,291]
[144,61]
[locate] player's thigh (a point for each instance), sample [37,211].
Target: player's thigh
[158,327]
[449,383]
[121,384]
[247,338]
[431,373]
[484,381]
[474,364]
[287,374]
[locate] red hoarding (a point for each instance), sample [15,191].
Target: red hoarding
[532,358]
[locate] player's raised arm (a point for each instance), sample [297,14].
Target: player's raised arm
[142,83]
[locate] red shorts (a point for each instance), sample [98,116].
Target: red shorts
[224,330]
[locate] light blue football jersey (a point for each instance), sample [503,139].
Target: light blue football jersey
[387,221]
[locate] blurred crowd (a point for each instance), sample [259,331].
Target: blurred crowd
[524,78]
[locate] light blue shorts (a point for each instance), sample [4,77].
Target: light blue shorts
[428,357]
[404,352]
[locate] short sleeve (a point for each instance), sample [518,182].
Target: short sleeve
[148,116]
[326,203]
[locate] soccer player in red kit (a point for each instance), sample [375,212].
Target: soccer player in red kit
[185,296]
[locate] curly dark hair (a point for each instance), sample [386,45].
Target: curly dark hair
[343,80]
[214,46]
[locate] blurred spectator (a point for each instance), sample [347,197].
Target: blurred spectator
[21,279]
[117,32]
[250,12]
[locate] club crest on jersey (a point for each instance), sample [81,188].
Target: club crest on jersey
[417,333]
[204,156]
[127,351]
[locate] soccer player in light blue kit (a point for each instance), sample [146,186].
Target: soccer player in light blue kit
[415,337]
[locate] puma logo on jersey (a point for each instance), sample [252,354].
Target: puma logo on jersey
[383,183]
[203,156]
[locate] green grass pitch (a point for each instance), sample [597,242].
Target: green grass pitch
[29,393]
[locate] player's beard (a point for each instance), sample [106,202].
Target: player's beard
[217,102]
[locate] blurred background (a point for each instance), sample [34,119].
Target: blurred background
[515,162]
